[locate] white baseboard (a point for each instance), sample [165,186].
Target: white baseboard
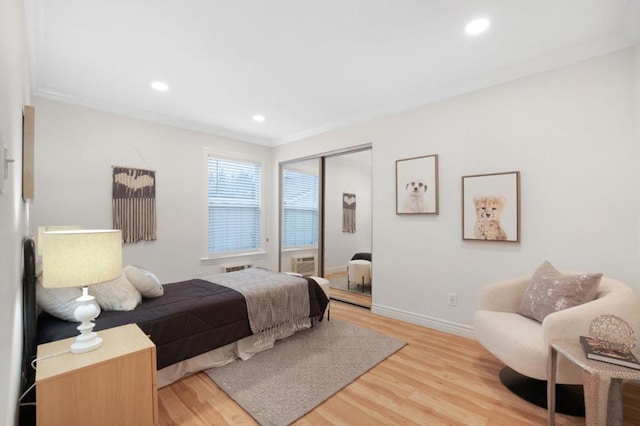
[435,323]
[335,269]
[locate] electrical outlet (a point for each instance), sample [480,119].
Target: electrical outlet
[453,299]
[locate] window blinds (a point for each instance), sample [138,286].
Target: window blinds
[234,206]
[300,209]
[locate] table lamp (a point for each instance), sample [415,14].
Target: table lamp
[80,258]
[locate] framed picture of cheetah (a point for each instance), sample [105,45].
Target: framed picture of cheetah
[417,185]
[491,207]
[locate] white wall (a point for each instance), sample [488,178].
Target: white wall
[75,149]
[349,173]
[571,134]
[14,93]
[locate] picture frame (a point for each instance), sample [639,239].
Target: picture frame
[28,157]
[417,185]
[491,207]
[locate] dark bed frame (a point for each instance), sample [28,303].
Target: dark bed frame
[27,413]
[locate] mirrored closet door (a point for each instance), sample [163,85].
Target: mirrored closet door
[347,226]
[325,221]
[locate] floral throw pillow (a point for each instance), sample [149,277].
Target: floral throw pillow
[550,291]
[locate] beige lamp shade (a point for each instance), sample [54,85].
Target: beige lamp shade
[76,258]
[43,229]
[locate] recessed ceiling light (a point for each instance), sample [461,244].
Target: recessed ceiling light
[477,26]
[160,86]
[259,118]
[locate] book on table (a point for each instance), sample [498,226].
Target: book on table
[595,350]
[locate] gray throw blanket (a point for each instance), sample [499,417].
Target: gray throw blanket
[274,300]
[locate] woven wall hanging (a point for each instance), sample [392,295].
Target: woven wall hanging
[349,213]
[134,203]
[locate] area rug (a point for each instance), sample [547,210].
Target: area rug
[278,386]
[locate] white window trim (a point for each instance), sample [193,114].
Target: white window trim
[210,152]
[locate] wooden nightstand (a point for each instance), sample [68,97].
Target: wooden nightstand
[112,385]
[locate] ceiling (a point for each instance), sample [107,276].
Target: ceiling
[307,66]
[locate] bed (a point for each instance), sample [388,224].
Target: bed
[199,323]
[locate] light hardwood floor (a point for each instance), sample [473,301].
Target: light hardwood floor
[436,379]
[350,297]
[356,298]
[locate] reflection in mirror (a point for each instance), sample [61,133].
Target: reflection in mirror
[300,213]
[347,225]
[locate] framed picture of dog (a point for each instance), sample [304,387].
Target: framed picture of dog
[417,185]
[491,207]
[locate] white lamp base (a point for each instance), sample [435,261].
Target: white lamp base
[86,312]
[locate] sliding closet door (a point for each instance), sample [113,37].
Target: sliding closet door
[300,216]
[347,213]
[325,214]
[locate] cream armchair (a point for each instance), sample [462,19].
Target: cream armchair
[523,344]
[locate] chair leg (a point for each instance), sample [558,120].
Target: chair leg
[363,283]
[347,278]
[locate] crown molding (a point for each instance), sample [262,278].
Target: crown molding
[557,59]
[167,120]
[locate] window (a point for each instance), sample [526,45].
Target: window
[234,209]
[300,209]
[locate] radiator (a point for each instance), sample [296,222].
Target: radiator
[305,265]
[237,267]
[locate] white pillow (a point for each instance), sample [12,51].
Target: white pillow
[59,302]
[144,281]
[116,295]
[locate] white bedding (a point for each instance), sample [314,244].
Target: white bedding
[242,349]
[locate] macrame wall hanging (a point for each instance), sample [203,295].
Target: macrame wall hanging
[349,213]
[134,203]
